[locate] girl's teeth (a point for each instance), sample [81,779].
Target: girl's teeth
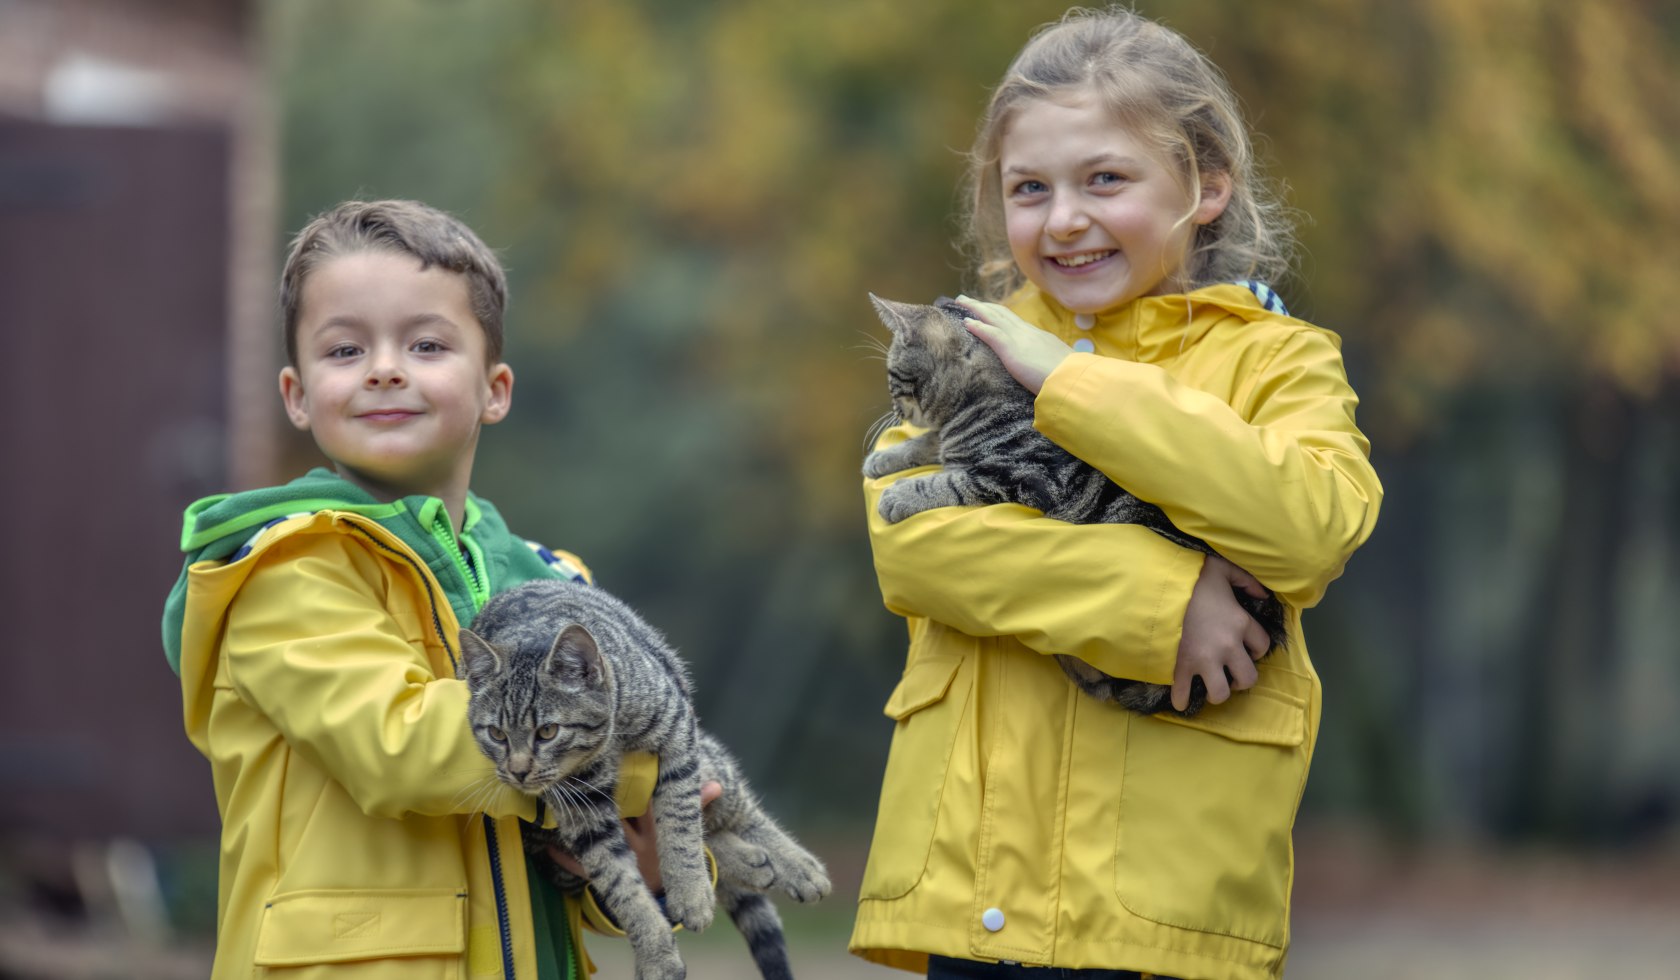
[1075,261]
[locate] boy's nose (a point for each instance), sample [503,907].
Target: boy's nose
[383,374]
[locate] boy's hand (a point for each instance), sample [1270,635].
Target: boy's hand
[643,840]
[1030,354]
[1221,640]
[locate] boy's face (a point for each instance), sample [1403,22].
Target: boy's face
[391,378]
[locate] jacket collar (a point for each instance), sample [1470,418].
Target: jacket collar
[1150,329]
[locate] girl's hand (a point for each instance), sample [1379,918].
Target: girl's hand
[1030,354]
[644,841]
[1221,640]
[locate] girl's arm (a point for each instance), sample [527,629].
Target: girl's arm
[1113,595]
[311,646]
[1281,484]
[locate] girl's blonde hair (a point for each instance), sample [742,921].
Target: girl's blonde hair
[1165,92]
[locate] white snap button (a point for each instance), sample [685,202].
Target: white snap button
[1084,321]
[992,919]
[1084,345]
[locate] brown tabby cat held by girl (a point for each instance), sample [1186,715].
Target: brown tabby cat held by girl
[980,433]
[565,679]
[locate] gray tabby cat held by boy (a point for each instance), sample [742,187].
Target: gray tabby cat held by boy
[979,423]
[565,679]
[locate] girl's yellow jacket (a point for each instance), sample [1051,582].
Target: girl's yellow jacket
[1022,820]
[364,834]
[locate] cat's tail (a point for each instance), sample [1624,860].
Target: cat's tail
[755,916]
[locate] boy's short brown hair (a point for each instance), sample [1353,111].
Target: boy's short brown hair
[406,227]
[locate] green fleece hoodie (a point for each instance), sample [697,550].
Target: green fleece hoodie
[216,528]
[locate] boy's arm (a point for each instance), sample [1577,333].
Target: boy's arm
[1282,487]
[310,644]
[1112,595]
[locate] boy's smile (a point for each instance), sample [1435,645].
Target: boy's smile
[1095,217]
[391,376]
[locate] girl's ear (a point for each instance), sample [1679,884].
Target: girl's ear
[1216,194]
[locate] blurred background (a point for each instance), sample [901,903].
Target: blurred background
[692,200]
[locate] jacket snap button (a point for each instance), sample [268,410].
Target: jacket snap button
[1084,321]
[1084,346]
[992,919]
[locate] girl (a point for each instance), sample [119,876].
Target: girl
[1117,214]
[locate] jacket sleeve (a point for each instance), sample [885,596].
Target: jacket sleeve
[1112,595]
[310,644]
[1282,485]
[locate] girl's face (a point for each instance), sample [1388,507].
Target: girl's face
[1095,218]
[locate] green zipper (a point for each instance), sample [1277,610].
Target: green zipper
[469,559]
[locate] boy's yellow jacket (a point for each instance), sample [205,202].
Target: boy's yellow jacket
[364,834]
[1022,820]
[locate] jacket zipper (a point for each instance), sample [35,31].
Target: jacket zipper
[443,530]
[489,825]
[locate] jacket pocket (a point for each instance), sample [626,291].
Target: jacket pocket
[927,719]
[1206,809]
[352,928]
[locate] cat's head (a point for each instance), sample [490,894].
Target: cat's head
[934,365]
[541,713]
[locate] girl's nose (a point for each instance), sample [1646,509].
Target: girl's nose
[1067,219]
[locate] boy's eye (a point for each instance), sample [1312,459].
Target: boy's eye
[343,350]
[547,732]
[497,735]
[428,347]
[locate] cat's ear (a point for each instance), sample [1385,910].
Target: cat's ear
[575,660]
[481,658]
[895,315]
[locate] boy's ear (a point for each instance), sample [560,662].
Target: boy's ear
[501,394]
[1216,195]
[291,393]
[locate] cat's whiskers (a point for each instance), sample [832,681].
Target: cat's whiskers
[879,426]
[874,344]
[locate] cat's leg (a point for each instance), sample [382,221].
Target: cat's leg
[677,818]
[912,495]
[922,450]
[617,882]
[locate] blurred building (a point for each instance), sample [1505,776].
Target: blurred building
[136,256]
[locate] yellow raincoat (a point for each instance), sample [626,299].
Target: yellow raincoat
[1022,820]
[363,831]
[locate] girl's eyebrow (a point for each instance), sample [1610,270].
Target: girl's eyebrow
[1099,159]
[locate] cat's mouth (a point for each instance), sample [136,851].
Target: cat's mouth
[1080,260]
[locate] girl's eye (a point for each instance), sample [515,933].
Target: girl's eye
[1108,178]
[547,732]
[1028,187]
[497,735]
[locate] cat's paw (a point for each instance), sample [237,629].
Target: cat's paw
[898,502]
[662,965]
[740,863]
[880,463]
[689,902]
[803,876]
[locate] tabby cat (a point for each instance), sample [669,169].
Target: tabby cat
[979,423]
[564,680]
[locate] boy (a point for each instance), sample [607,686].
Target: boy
[314,630]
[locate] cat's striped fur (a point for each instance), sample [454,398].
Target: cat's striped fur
[979,431]
[564,680]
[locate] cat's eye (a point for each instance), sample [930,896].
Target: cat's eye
[548,731]
[496,734]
